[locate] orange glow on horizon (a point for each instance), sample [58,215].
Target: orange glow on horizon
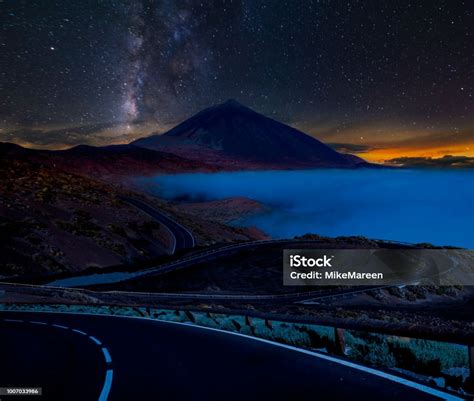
[385,154]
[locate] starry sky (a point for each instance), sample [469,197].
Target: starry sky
[381,79]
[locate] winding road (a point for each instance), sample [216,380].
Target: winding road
[205,256]
[183,238]
[91,357]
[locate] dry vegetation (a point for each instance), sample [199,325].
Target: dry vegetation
[54,221]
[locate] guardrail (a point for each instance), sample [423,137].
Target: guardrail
[45,289]
[183,262]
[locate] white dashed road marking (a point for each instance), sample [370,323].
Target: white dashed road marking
[95,340]
[60,326]
[107,385]
[104,394]
[79,331]
[409,383]
[107,357]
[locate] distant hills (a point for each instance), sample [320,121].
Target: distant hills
[231,135]
[228,136]
[114,160]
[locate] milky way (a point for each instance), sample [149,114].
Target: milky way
[363,75]
[170,56]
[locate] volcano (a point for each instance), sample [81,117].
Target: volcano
[233,135]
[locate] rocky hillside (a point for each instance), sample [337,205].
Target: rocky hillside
[105,161]
[54,221]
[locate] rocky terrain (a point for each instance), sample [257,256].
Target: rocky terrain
[209,228]
[60,211]
[111,163]
[54,221]
[226,210]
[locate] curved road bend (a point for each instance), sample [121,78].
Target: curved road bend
[150,360]
[183,237]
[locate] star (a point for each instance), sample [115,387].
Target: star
[337,71]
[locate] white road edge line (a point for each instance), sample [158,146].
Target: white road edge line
[173,250]
[421,387]
[426,389]
[185,229]
[171,219]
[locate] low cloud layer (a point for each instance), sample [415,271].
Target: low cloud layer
[350,147]
[447,161]
[94,135]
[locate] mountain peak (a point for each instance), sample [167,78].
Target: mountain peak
[232,102]
[237,134]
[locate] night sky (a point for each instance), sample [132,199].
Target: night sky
[387,79]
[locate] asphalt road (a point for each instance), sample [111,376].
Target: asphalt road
[183,237]
[113,358]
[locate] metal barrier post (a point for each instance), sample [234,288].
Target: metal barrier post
[470,350]
[339,341]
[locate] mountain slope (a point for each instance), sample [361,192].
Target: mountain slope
[54,220]
[105,161]
[232,134]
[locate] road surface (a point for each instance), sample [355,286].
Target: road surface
[87,357]
[183,238]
